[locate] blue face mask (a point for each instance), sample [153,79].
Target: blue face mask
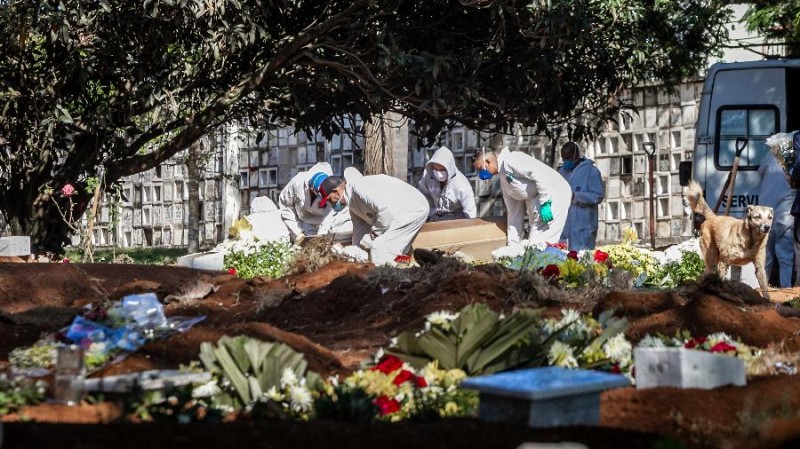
[337,206]
[569,165]
[484,174]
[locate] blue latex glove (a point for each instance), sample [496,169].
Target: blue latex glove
[546,213]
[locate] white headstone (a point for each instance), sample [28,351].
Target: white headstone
[15,245]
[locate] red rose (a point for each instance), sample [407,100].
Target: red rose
[232,271]
[695,342]
[559,245]
[421,382]
[600,256]
[550,271]
[615,369]
[387,406]
[402,258]
[403,376]
[388,364]
[65,260]
[723,347]
[572,255]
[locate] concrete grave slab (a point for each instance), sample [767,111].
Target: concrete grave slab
[15,245]
[145,380]
[544,397]
[686,368]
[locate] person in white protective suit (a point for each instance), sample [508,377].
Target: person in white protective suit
[586,184]
[387,213]
[449,192]
[776,193]
[302,210]
[527,184]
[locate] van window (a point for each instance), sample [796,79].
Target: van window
[755,123]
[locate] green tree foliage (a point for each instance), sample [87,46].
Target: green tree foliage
[775,19]
[121,86]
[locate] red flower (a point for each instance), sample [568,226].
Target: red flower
[559,245]
[402,258]
[695,342]
[388,364]
[600,256]
[572,255]
[232,271]
[403,376]
[550,271]
[387,406]
[615,369]
[68,190]
[421,382]
[723,347]
[65,260]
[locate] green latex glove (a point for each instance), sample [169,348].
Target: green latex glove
[546,213]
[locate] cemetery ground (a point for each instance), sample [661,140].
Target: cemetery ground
[341,314]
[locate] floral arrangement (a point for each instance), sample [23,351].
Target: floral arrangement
[399,392]
[105,333]
[781,146]
[719,343]
[17,392]
[639,262]
[580,341]
[568,269]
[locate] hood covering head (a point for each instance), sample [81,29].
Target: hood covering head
[262,204]
[316,180]
[444,157]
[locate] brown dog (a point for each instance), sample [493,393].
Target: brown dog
[729,241]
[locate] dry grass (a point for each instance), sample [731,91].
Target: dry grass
[313,255]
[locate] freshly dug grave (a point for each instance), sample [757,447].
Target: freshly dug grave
[339,315]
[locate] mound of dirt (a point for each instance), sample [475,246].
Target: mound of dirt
[338,316]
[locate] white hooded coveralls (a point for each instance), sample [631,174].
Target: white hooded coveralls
[302,215]
[529,183]
[453,201]
[777,194]
[586,184]
[387,214]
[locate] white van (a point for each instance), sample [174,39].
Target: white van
[743,102]
[748,101]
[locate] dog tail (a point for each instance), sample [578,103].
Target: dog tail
[694,194]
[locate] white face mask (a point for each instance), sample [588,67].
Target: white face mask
[440,175]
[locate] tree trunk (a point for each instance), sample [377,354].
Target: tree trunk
[193,172]
[378,151]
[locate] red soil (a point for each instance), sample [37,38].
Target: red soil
[342,313]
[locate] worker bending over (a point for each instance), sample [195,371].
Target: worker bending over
[387,213]
[301,208]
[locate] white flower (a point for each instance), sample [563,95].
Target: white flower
[393,342]
[289,378]
[206,390]
[651,342]
[718,337]
[300,398]
[441,318]
[617,348]
[379,355]
[561,354]
[273,394]
[97,348]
